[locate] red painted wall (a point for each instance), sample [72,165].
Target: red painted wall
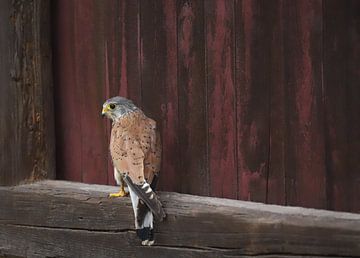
[256,100]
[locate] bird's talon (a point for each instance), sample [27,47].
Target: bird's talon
[119,194]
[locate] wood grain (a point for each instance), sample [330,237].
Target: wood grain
[127,35]
[80,77]
[67,124]
[305,144]
[342,98]
[26,104]
[159,81]
[81,220]
[193,135]
[220,50]
[276,192]
[170,105]
[253,74]
[90,78]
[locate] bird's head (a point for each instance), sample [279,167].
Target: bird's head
[116,107]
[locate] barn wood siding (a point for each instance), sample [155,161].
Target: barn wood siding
[26,88]
[256,100]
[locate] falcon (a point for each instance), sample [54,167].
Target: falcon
[135,149]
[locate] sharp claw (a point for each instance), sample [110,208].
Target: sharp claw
[119,194]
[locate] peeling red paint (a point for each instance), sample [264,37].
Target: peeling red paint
[248,178]
[307,155]
[252,101]
[187,17]
[246,94]
[170,116]
[305,84]
[219,18]
[192,99]
[248,28]
[123,77]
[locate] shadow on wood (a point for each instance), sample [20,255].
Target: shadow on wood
[57,218]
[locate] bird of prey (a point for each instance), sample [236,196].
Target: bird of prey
[135,149]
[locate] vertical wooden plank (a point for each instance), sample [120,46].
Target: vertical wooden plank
[194,176]
[253,73]
[261,101]
[276,175]
[305,158]
[152,58]
[26,104]
[82,148]
[112,53]
[132,47]
[68,127]
[122,46]
[342,98]
[170,107]
[354,103]
[89,32]
[6,130]
[159,80]
[220,51]
[113,48]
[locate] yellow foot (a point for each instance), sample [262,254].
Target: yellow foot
[122,193]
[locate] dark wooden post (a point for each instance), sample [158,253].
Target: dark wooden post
[26,98]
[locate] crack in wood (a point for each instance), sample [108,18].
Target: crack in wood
[74,224]
[73,229]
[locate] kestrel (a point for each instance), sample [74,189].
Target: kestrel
[135,149]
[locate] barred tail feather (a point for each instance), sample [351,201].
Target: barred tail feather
[144,220]
[146,224]
[148,196]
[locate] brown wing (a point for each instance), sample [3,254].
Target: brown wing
[151,146]
[127,154]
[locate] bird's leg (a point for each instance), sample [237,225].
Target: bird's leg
[122,192]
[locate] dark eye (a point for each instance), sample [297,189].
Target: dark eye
[112,106]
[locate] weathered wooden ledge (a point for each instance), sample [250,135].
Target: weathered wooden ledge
[64,219]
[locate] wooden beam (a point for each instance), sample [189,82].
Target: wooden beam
[57,218]
[26,99]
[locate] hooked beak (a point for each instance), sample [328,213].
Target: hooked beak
[104,111]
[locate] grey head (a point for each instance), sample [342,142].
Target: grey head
[116,107]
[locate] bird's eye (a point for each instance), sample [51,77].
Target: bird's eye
[112,106]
